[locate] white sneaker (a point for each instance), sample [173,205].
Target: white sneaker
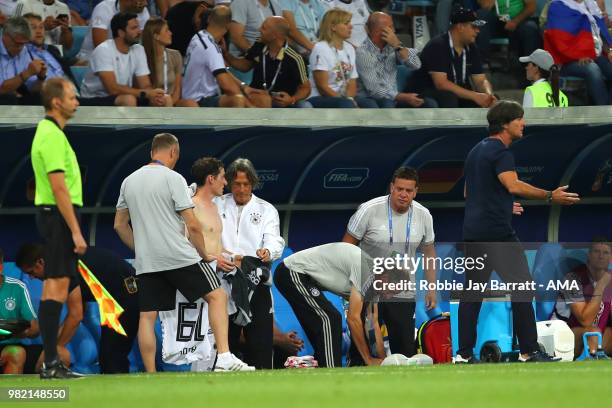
[231,363]
[458,359]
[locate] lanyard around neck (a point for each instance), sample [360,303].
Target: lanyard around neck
[463,65]
[408,222]
[263,62]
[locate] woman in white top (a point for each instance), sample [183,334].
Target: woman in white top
[165,64]
[333,74]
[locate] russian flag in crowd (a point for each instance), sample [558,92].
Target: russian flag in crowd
[568,36]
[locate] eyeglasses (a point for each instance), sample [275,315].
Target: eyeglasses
[19,43]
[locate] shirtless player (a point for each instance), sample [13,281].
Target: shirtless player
[209,174]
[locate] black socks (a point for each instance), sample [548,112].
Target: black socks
[48,319]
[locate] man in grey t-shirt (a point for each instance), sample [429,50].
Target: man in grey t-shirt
[396,224]
[247,18]
[302,277]
[156,200]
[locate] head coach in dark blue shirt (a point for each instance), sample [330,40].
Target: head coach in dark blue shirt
[491,182]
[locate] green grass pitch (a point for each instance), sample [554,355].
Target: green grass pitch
[516,385]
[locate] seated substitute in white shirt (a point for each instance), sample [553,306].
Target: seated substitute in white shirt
[101,18]
[206,81]
[115,65]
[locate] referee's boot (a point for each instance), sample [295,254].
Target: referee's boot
[58,370]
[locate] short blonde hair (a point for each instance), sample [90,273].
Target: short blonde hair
[331,18]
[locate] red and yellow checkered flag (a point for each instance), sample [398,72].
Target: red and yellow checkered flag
[110,310]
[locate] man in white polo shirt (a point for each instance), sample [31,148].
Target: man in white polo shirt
[56,17]
[101,18]
[206,81]
[392,224]
[115,64]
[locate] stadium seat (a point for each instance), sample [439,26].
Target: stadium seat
[401,6]
[403,75]
[79,74]
[245,77]
[78,35]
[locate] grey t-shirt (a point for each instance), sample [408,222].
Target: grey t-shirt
[370,225]
[251,14]
[336,266]
[154,195]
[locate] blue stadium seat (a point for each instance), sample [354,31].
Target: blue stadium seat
[403,74]
[78,35]
[79,74]
[400,6]
[245,77]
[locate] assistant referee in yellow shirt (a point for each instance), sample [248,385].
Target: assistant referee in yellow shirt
[58,196]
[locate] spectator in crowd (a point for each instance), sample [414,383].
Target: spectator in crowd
[442,17]
[114,67]
[117,277]
[577,37]
[101,22]
[510,18]
[279,70]
[588,306]
[37,49]
[15,304]
[185,20]
[544,74]
[451,64]
[333,71]
[80,11]
[21,75]
[206,81]
[251,227]
[55,16]
[304,17]
[165,64]
[7,9]
[247,18]
[359,15]
[377,58]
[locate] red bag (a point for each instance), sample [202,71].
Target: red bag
[434,339]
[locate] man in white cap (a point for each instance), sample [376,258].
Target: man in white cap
[544,76]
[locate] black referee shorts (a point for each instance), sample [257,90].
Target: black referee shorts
[60,258]
[157,290]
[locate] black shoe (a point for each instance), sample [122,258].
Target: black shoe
[538,357]
[600,355]
[57,369]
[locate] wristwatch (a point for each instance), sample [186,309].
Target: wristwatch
[549,197]
[399,47]
[142,95]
